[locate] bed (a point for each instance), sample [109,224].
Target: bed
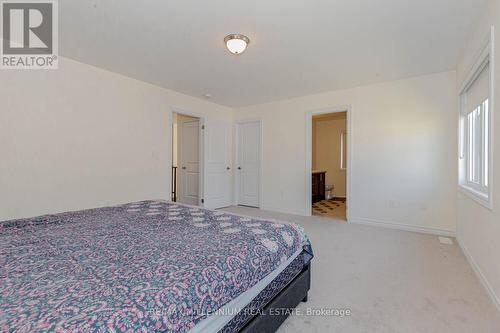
[150,266]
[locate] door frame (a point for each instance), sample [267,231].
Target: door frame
[308,165]
[201,149]
[236,189]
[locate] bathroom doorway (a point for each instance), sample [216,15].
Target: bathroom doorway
[329,147]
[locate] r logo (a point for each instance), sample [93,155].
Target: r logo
[27,28]
[29,37]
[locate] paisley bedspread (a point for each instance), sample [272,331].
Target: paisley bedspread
[149,266]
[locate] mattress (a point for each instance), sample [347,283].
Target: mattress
[145,266]
[256,306]
[235,314]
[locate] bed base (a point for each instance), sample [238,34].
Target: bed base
[279,308]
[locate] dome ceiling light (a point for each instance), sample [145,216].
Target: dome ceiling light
[236,43]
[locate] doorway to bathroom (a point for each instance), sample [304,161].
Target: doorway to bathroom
[329,165]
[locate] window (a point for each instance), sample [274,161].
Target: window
[475,134]
[343,150]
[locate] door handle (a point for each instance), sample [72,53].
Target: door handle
[228,168]
[239,168]
[183,168]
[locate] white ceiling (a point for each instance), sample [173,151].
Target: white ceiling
[298,47]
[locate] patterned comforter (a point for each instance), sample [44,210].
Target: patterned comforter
[147,266]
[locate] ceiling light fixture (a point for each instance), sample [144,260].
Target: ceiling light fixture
[236,43]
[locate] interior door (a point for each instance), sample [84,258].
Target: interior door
[218,170]
[249,145]
[189,161]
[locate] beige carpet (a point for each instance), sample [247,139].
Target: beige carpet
[392,281]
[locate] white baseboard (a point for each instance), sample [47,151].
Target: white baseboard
[401,226]
[489,290]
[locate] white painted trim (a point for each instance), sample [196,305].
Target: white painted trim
[402,226]
[489,289]
[477,196]
[201,117]
[308,166]
[485,57]
[236,154]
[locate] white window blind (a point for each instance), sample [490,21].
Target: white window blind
[478,91]
[475,135]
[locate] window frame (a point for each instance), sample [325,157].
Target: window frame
[478,145]
[343,150]
[479,193]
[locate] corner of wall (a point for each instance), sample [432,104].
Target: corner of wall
[477,270]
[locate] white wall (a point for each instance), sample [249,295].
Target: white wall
[404,143]
[326,152]
[478,227]
[82,137]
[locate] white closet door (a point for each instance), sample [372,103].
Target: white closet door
[218,170]
[249,145]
